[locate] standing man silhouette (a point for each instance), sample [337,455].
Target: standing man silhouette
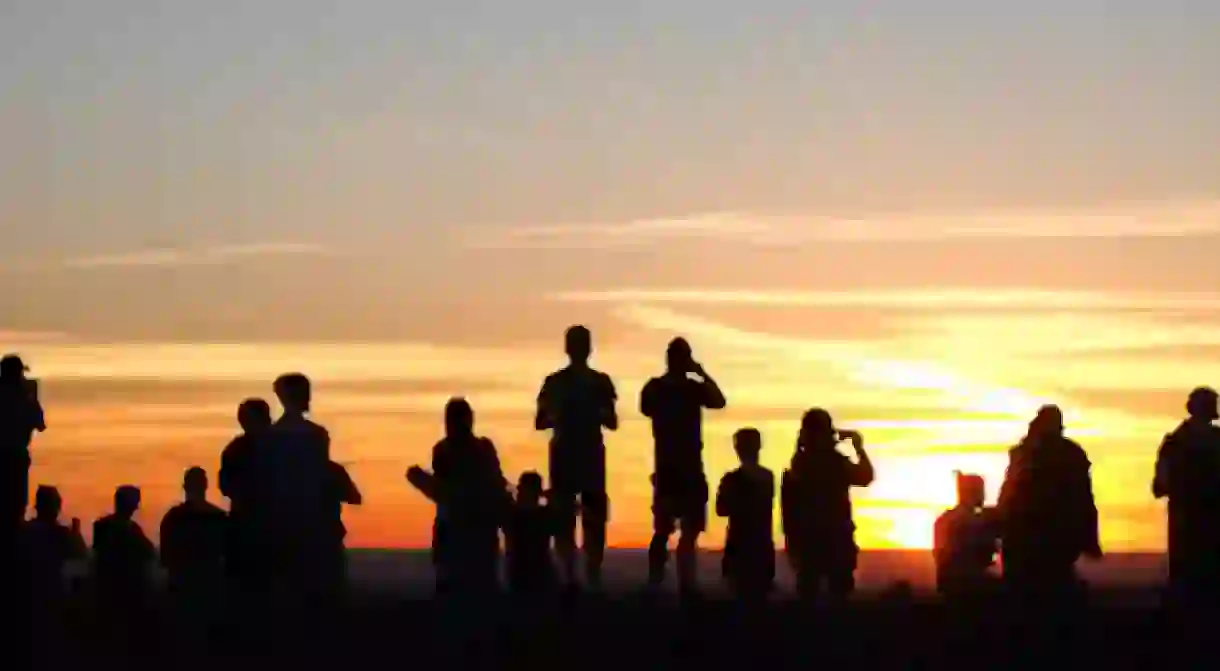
[576,403]
[675,402]
[1188,475]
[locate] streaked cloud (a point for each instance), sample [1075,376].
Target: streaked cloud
[1144,220]
[168,257]
[921,299]
[16,337]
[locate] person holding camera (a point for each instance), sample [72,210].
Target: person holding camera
[675,403]
[815,506]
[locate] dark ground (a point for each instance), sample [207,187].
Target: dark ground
[635,633]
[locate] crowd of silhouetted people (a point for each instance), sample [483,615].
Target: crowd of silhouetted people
[278,549]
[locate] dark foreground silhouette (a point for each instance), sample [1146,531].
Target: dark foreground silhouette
[598,632]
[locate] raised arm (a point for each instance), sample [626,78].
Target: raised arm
[861,472]
[713,397]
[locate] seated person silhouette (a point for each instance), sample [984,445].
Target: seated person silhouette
[747,498]
[966,540]
[46,548]
[193,539]
[532,526]
[122,557]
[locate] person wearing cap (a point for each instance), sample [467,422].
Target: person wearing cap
[21,416]
[1188,475]
[1047,512]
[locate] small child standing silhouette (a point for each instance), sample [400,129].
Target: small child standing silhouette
[747,498]
[531,528]
[122,557]
[966,539]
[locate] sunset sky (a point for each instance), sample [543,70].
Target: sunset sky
[928,219]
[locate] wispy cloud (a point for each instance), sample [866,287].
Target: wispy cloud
[192,257]
[1136,220]
[921,299]
[168,257]
[15,337]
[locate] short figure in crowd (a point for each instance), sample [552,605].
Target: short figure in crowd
[815,505]
[966,539]
[194,535]
[1188,475]
[746,496]
[576,403]
[122,559]
[675,402]
[1047,513]
[531,528]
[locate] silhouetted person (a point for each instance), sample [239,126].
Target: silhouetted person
[531,526]
[239,483]
[21,416]
[46,548]
[966,539]
[576,403]
[675,402]
[472,504]
[1047,511]
[122,559]
[1188,474]
[193,540]
[746,496]
[815,505]
[294,482]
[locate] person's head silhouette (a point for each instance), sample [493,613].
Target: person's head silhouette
[817,430]
[529,487]
[126,501]
[12,368]
[294,393]
[1201,404]
[459,418]
[578,344]
[747,443]
[1048,423]
[48,503]
[678,356]
[971,490]
[254,415]
[195,484]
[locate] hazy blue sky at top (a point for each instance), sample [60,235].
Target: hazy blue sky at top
[391,128]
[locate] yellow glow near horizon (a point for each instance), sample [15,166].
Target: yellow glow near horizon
[925,412]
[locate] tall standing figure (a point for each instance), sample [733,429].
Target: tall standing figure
[294,475]
[1188,474]
[1047,513]
[575,404]
[815,506]
[675,402]
[20,417]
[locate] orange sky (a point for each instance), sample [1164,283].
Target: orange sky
[936,379]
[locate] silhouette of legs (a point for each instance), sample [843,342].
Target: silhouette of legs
[594,516]
[677,505]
